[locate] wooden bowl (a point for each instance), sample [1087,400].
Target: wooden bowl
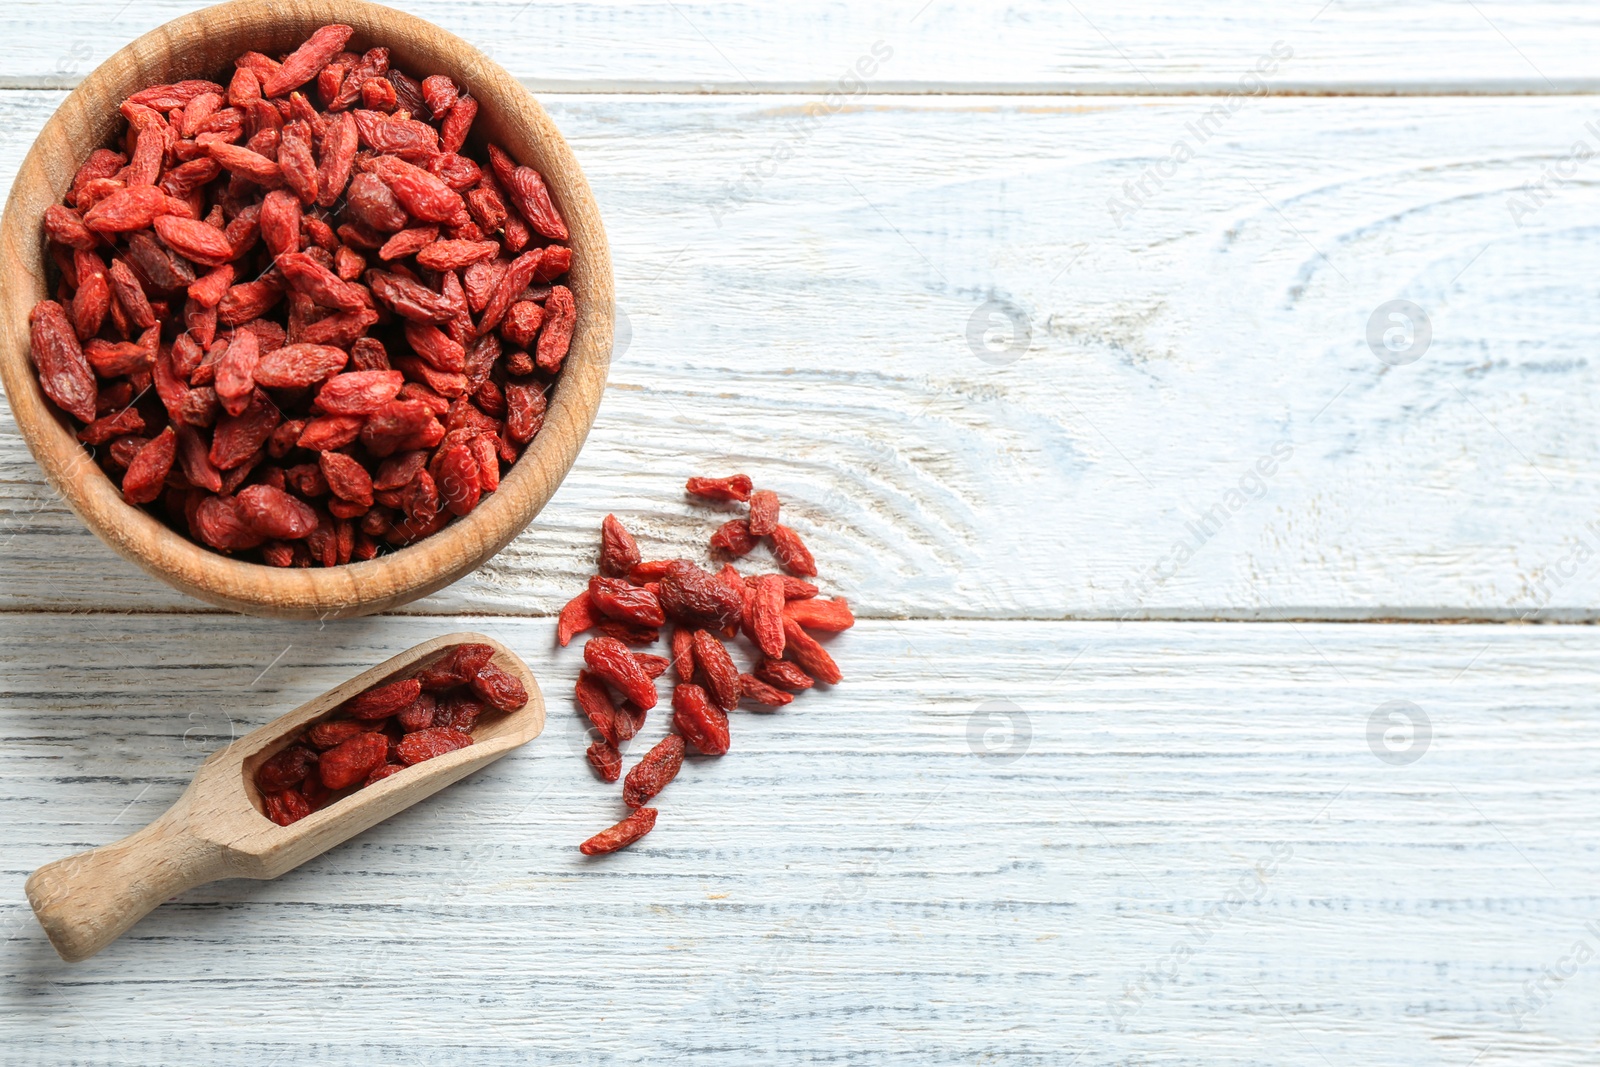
[203,45]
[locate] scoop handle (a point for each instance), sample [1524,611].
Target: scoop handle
[86,901]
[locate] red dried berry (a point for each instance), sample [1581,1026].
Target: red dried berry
[697,599]
[336,731]
[64,373]
[458,665]
[147,474]
[783,674]
[733,538]
[764,609]
[717,670]
[812,657]
[621,835]
[419,714]
[683,654]
[733,487]
[380,773]
[427,744]
[627,632]
[606,760]
[791,552]
[617,599]
[303,64]
[753,688]
[594,700]
[285,769]
[347,479]
[763,512]
[611,660]
[286,806]
[498,689]
[349,762]
[577,616]
[299,365]
[383,700]
[619,552]
[831,616]
[654,666]
[702,723]
[652,773]
[273,513]
[460,710]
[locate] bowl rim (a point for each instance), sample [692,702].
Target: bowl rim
[508,114]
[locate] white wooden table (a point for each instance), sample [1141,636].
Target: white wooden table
[1058,353]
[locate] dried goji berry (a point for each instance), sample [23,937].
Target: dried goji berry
[594,700]
[627,632]
[619,552]
[64,373]
[383,700]
[419,714]
[459,710]
[286,806]
[652,773]
[347,479]
[753,688]
[383,771]
[303,64]
[733,487]
[733,538]
[332,732]
[271,512]
[683,654]
[617,599]
[763,512]
[717,669]
[654,666]
[763,621]
[791,552]
[285,769]
[622,834]
[359,392]
[435,741]
[578,615]
[299,365]
[147,474]
[457,666]
[527,191]
[499,689]
[831,616]
[812,657]
[350,761]
[611,660]
[606,760]
[555,336]
[783,674]
[695,598]
[702,723]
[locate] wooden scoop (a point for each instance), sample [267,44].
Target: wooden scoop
[218,827]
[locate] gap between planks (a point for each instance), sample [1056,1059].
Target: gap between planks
[1533,86]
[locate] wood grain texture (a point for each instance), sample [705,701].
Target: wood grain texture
[1032,46]
[853,882]
[203,45]
[818,334]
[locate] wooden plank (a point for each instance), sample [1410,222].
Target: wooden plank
[824,329]
[854,882]
[1163,46]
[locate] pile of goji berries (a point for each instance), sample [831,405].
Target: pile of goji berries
[630,600]
[386,729]
[298,284]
